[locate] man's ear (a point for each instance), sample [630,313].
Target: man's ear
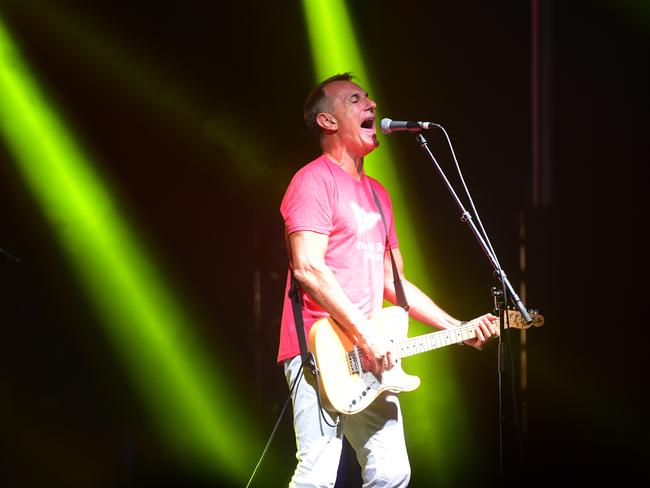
[327,121]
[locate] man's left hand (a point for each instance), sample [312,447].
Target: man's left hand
[487,329]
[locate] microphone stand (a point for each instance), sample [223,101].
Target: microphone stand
[466,217]
[508,293]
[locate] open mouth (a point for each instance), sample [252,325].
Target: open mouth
[368,123]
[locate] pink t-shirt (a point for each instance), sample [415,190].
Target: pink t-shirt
[323,198]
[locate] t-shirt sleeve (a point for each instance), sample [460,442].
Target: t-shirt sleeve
[307,204]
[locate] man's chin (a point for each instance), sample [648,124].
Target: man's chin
[370,148]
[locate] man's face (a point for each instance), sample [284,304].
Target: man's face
[354,114]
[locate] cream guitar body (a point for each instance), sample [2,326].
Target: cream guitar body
[348,388]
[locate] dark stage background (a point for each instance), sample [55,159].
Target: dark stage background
[69,411]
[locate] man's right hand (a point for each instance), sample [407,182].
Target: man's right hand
[376,355]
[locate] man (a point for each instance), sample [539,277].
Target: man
[337,246]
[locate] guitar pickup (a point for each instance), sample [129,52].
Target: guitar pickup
[354,361]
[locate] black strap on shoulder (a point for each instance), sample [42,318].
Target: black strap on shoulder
[397,281]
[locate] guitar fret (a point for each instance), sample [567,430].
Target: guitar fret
[427,342]
[435,340]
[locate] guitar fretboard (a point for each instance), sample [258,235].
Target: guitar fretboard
[435,340]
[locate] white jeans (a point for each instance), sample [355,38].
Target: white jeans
[376,434]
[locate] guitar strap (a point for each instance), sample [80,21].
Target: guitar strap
[306,356]
[296,305]
[397,281]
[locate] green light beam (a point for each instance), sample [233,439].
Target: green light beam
[438,425]
[140,314]
[138,75]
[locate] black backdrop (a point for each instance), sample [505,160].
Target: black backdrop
[216,228]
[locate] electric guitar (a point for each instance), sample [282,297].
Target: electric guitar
[348,388]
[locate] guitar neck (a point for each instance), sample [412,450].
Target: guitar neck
[435,340]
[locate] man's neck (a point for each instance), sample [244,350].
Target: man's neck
[352,165]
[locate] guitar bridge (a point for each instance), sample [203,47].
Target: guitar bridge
[354,361]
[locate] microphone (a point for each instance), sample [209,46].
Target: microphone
[388,126]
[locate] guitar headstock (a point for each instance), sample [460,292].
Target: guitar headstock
[516,320]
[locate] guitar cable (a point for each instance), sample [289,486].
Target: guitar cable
[294,385]
[320,406]
[277,424]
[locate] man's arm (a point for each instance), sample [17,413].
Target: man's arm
[425,310]
[308,258]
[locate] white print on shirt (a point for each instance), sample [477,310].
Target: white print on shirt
[366,221]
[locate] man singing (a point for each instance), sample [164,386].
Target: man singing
[339,252]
